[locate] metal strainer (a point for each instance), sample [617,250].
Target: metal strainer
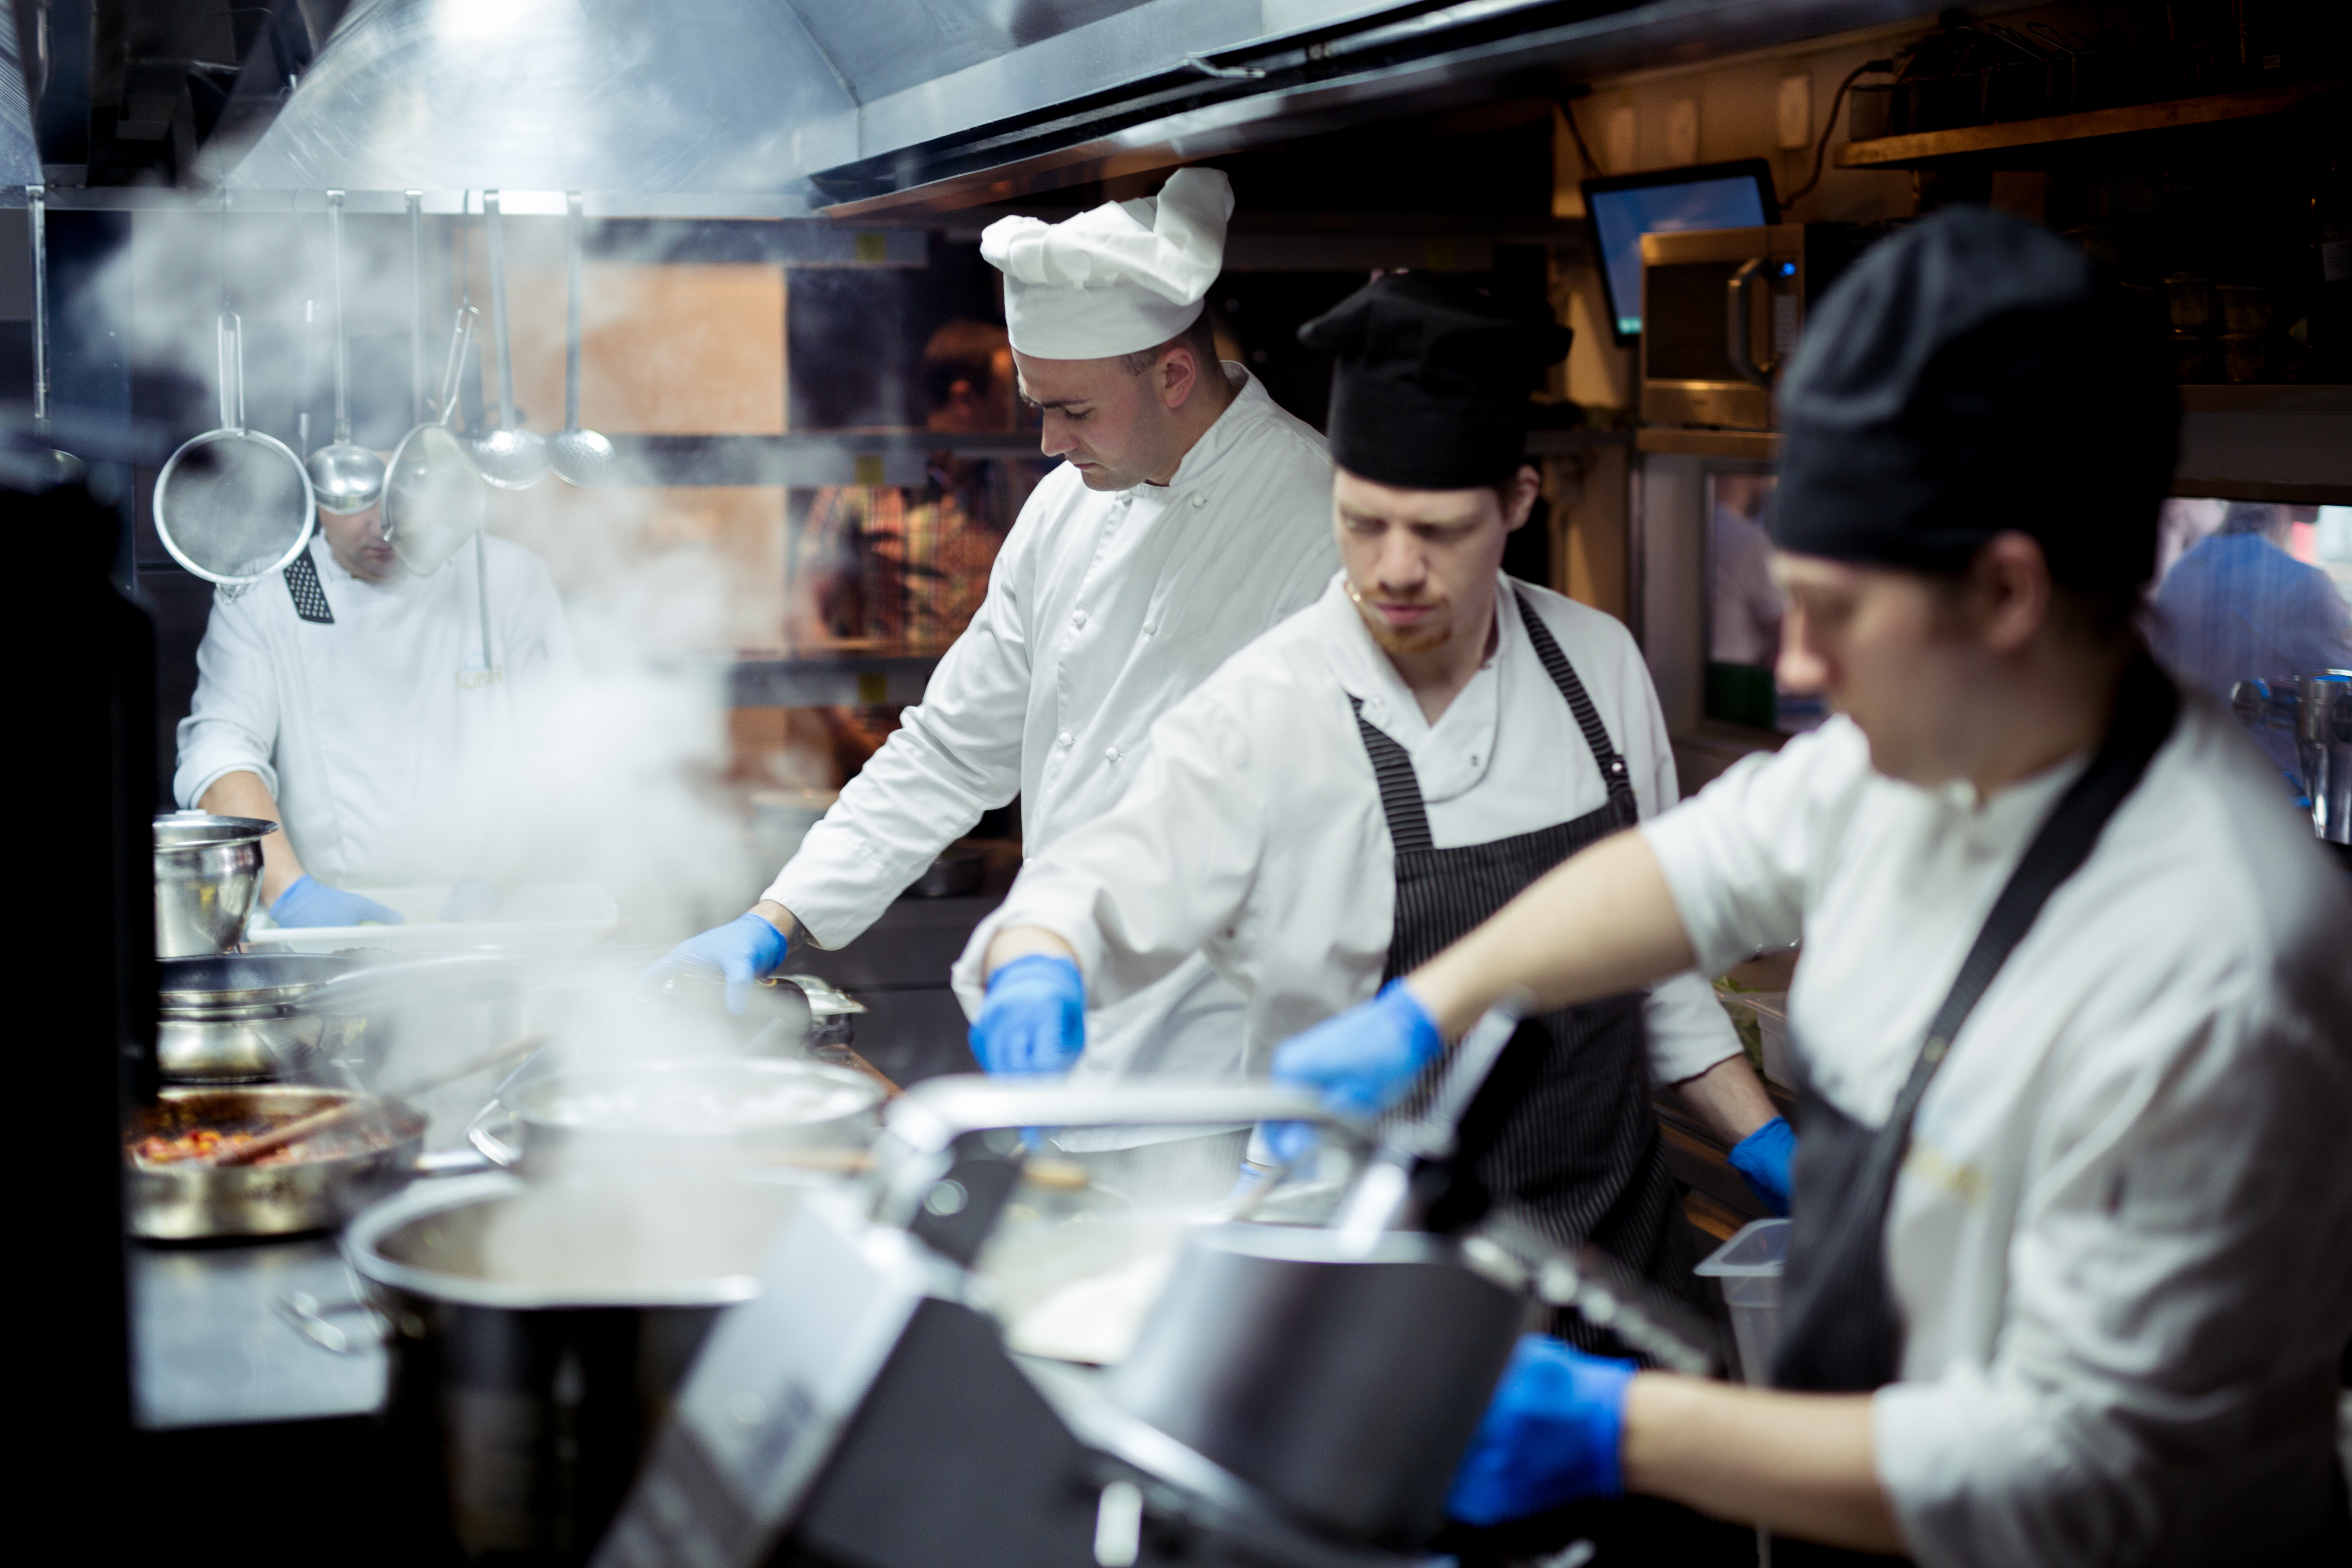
[234,505]
[432,497]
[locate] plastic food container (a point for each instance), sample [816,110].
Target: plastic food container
[1750,1266]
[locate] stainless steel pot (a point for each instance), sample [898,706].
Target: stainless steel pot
[191,1202]
[246,1017]
[1345,1381]
[537,1333]
[207,870]
[675,1113]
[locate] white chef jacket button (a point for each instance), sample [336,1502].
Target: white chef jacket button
[1079,620]
[1111,753]
[1063,739]
[1200,501]
[1149,628]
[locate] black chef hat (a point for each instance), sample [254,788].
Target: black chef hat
[1967,377]
[1431,389]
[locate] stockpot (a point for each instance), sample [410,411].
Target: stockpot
[1344,1380]
[207,870]
[537,1333]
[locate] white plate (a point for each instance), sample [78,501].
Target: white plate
[547,915]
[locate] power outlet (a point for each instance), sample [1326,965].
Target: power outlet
[1792,116]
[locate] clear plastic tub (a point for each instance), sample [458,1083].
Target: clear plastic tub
[1750,1265]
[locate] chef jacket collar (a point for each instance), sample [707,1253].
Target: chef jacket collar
[1363,671]
[1250,402]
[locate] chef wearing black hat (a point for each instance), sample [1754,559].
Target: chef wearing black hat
[2073,1015]
[1368,782]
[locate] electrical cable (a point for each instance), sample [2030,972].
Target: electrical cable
[1821,147]
[1568,113]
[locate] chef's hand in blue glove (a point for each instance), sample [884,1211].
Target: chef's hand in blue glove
[1762,1159]
[1364,1060]
[1550,1435]
[307,901]
[1033,1019]
[745,950]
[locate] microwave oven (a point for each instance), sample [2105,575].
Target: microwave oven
[1721,312]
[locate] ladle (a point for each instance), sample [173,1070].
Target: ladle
[346,477]
[66,468]
[578,456]
[509,456]
[432,495]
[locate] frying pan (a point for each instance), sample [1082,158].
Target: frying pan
[234,505]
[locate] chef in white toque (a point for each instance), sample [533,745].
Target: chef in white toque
[1190,514]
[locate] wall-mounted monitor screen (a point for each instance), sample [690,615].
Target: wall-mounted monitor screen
[1624,208]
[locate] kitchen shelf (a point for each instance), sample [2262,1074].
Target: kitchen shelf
[1927,146]
[1761,446]
[829,680]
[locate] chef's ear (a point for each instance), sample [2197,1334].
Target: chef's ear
[1519,497]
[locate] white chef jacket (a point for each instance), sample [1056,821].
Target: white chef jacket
[2117,1246]
[371,732]
[1103,609]
[1255,833]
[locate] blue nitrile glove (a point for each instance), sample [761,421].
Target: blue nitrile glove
[1763,1161]
[310,902]
[1033,1018]
[1364,1060]
[744,949]
[470,902]
[1549,1435]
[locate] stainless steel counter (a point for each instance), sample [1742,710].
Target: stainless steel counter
[209,1348]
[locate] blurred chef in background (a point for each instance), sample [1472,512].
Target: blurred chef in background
[2074,1023]
[1363,784]
[906,568]
[352,700]
[2236,607]
[1191,513]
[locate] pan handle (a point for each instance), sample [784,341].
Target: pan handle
[483,1131]
[232,373]
[460,336]
[313,1319]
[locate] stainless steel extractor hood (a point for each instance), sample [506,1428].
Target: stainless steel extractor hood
[20,161]
[853,107]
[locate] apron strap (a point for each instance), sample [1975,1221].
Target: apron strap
[1840,1332]
[1614,775]
[1400,799]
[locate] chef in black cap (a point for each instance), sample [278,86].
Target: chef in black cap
[1368,781]
[2074,1018]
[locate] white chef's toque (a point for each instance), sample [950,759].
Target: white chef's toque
[1118,279]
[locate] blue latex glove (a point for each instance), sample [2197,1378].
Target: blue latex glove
[470,902]
[1762,1159]
[310,902]
[1033,1019]
[746,949]
[1364,1060]
[1550,1435]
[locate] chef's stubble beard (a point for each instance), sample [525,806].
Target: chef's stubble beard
[1419,640]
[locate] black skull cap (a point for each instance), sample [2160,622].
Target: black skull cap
[1431,383]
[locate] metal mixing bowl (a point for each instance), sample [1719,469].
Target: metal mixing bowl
[207,870]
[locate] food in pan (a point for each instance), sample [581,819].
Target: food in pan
[174,1134]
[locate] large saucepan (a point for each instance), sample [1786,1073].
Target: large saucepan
[313,1188]
[537,1333]
[664,1114]
[251,1017]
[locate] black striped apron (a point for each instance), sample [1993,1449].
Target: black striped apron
[1563,1126]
